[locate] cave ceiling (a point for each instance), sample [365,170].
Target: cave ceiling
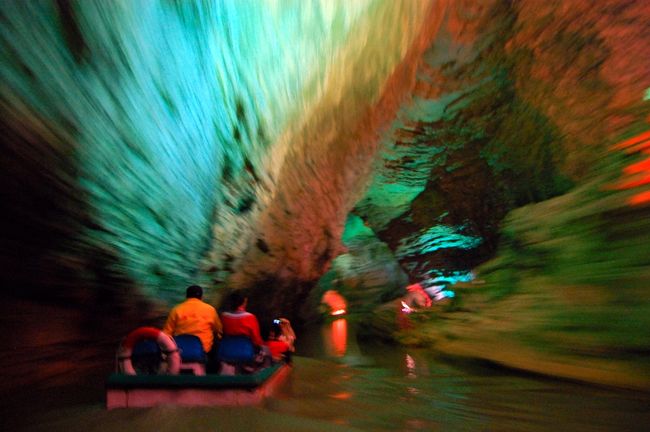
[150,145]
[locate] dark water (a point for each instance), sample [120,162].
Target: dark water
[338,384]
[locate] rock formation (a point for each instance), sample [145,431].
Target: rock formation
[150,145]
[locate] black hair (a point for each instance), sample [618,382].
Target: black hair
[194,291]
[236,299]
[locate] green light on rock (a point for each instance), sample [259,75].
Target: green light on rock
[646,96]
[435,238]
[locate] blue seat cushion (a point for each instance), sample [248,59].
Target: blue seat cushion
[191,348]
[236,349]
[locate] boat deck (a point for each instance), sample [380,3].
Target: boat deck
[140,391]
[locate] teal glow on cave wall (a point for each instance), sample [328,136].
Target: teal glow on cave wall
[176,119]
[163,103]
[435,238]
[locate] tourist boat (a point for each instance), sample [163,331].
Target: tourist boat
[182,379]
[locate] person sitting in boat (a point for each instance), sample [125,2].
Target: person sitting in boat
[286,333]
[237,322]
[277,343]
[195,317]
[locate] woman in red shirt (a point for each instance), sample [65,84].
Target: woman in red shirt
[239,322]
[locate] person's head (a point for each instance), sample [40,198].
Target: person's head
[194,291]
[237,299]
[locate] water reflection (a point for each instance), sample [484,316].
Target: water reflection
[335,338]
[412,390]
[410,367]
[404,390]
[411,373]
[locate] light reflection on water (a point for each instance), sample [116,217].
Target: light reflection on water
[335,337]
[390,388]
[373,388]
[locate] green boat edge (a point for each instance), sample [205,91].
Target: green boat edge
[210,381]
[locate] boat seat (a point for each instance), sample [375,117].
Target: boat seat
[235,352]
[193,358]
[236,349]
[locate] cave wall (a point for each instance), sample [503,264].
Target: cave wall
[143,143]
[566,295]
[139,157]
[514,103]
[368,273]
[150,145]
[147,146]
[553,124]
[329,159]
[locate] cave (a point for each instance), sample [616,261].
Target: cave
[496,151]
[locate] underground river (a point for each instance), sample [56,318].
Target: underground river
[340,384]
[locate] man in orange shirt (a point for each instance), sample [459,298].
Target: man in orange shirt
[194,317]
